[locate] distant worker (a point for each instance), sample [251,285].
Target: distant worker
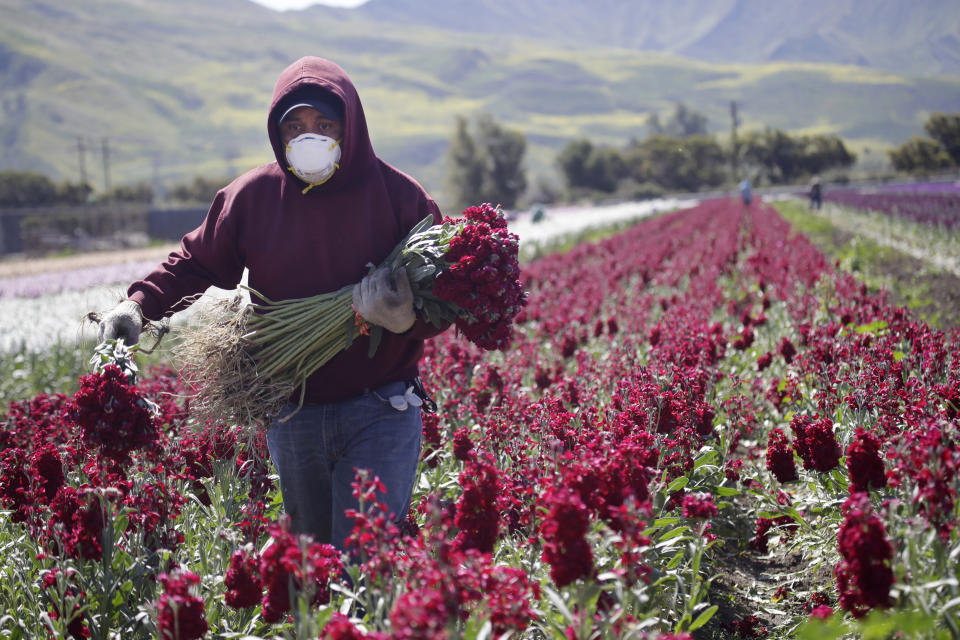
[816,193]
[745,192]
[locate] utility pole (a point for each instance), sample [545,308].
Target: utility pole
[82,150]
[106,165]
[734,144]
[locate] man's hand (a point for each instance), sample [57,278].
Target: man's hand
[384,303]
[124,321]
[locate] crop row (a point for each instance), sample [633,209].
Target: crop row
[700,392]
[937,208]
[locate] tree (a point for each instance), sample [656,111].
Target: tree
[201,190]
[919,155]
[585,166]
[26,189]
[945,129]
[822,152]
[465,166]
[774,153]
[141,192]
[679,164]
[487,167]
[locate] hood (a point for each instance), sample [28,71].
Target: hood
[356,151]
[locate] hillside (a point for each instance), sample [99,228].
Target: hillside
[180,88]
[909,37]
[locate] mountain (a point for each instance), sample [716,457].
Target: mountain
[165,90]
[916,37]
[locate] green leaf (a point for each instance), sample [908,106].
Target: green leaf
[678,483]
[673,533]
[703,618]
[872,327]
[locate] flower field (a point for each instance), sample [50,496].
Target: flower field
[936,204]
[702,429]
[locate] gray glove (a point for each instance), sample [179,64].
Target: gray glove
[124,321]
[383,302]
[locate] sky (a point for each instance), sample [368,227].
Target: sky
[281,5]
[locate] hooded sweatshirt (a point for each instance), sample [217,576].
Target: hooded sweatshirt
[297,245]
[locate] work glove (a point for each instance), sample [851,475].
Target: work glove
[385,300]
[124,321]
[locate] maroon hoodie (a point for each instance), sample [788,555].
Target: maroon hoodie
[297,245]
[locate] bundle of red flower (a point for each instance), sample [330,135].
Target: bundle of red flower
[466,271]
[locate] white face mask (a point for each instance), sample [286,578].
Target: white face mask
[313,158]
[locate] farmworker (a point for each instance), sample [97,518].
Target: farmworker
[307,223]
[745,192]
[816,193]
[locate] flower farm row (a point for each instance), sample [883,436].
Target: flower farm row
[933,207]
[698,395]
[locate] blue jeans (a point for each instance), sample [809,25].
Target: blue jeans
[317,452]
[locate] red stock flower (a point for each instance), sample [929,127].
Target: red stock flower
[864,463]
[698,506]
[764,361]
[244,587]
[481,278]
[180,614]
[75,527]
[780,457]
[563,530]
[295,561]
[17,491]
[340,628]
[421,614]
[462,445]
[787,350]
[864,575]
[815,442]
[478,515]
[112,415]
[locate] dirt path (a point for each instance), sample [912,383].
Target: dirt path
[14,267]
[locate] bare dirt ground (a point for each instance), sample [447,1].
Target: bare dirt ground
[21,266]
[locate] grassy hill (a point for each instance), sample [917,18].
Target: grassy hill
[181,87]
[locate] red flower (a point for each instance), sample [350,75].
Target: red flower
[864,463]
[244,587]
[787,350]
[340,628]
[565,547]
[780,457]
[76,523]
[864,575]
[421,614]
[180,614]
[815,443]
[478,516]
[764,361]
[462,445]
[112,415]
[699,506]
[284,564]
